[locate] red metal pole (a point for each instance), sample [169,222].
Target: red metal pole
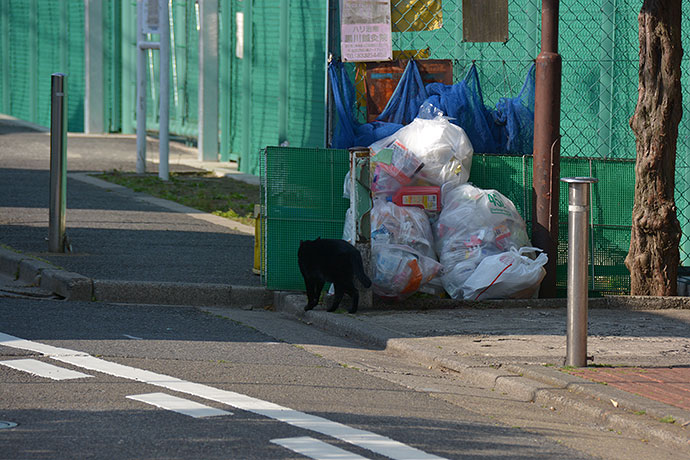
[547,145]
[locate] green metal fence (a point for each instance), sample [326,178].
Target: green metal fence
[611,211]
[599,46]
[302,199]
[38,39]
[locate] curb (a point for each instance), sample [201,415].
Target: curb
[73,286]
[616,409]
[171,293]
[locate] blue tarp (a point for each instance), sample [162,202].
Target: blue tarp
[349,132]
[403,105]
[463,103]
[507,128]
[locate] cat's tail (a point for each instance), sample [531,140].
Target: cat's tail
[359,270]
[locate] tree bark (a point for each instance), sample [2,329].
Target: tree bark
[654,256]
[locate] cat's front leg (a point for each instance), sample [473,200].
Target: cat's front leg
[313,294]
[355,300]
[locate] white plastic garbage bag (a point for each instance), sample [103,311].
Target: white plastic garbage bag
[474,224]
[443,147]
[400,271]
[510,274]
[405,225]
[488,208]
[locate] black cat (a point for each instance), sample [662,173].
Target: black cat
[333,261]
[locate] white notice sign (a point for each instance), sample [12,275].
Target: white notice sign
[365,30]
[150,11]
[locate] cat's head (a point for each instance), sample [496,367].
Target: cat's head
[306,242]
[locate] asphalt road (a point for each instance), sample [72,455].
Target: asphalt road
[247,394]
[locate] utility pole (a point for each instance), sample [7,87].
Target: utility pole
[547,145]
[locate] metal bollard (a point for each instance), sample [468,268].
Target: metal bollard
[58,162]
[578,221]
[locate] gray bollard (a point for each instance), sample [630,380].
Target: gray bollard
[578,221]
[58,162]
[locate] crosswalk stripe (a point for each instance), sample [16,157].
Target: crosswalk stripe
[362,438]
[318,450]
[179,405]
[41,369]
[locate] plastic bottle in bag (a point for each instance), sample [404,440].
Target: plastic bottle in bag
[426,197]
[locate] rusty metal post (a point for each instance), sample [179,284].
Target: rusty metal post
[361,204]
[546,165]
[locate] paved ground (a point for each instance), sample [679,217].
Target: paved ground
[132,248]
[670,385]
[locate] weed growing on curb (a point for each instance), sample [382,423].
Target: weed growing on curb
[667,419]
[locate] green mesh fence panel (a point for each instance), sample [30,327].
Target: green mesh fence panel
[184,74]
[302,192]
[302,199]
[18,49]
[610,212]
[306,70]
[112,59]
[75,67]
[599,46]
[40,38]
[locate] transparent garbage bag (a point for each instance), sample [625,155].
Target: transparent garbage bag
[404,225]
[399,271]
[510,274]
[477,217]
[455,276]
[474,224]
[382,182]
[443,148]
[394,170]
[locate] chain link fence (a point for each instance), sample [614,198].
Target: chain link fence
[599,46]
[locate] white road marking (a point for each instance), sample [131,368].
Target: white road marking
[132,337]
[179,405]
[318,450]
[362,438]
[42,369]
[48,350]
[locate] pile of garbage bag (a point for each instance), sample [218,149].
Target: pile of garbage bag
[432,231]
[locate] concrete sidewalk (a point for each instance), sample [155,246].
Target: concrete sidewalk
[519,347]
[126,246]
[129,247]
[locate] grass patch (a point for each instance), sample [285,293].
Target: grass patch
[221,196]
[667,419]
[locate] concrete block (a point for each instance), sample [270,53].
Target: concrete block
[30,270]
[71,286]
[9,262]
[251,296]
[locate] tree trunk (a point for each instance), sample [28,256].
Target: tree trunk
[653,257]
